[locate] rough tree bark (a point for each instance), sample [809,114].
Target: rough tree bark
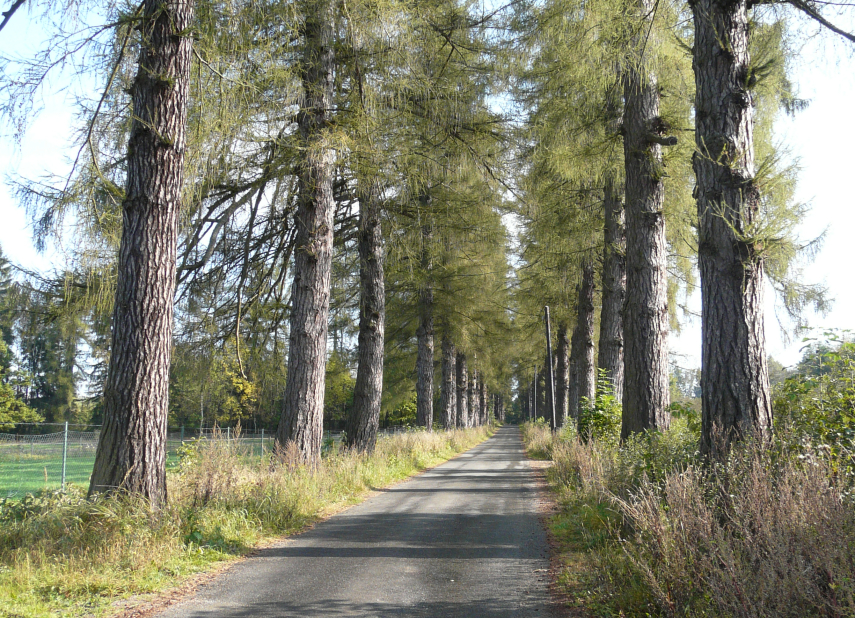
[583,381]
[734,375]
[364,418]
[462,384]
[131,454]
[302,420]
[448,395]
[424,336]
[610,356]
[645,315]
[562,375]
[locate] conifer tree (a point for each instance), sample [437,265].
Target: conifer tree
[131,451]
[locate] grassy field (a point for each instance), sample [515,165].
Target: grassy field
[28,469]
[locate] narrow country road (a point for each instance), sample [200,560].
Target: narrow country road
[463,539]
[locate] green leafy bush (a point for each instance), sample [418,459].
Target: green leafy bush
[601,419]
[815,409]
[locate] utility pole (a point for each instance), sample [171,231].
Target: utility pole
[550,389]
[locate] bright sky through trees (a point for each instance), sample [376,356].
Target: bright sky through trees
[818,136]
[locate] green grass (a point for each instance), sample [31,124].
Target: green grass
[61,554]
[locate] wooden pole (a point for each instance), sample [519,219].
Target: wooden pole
[550,389]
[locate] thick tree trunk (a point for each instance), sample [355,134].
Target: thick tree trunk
[462,398]
[645,315]
[448,395]
[583,381]
[734,374]
[614,289]
[302,419]
[562,375]
[131,453]
[424,336]
[364,418]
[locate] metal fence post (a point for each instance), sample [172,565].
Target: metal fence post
[64,453]
[228,434]
[182,434]
[262,441]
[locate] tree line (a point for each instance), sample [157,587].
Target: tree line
[413,182]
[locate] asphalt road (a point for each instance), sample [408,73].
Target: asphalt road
[463,539]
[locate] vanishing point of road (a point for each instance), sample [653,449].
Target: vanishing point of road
[461,540]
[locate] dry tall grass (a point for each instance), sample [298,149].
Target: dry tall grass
[763,534]
[64,553]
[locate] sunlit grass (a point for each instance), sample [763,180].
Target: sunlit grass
[61,553]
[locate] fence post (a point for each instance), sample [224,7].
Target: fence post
[228,434]
[64,453]
[262,441]
[182,434]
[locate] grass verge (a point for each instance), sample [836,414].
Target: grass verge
[61,554]
[651,529]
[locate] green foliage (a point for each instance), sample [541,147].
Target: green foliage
[338,397]
[12,408]
[601,419]
[815,407]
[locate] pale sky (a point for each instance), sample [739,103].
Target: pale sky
[821,137]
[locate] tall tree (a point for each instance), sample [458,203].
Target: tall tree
[302,413]
[364,418]
[582,372]
[131,451]
[562,375]
[645,315]
[448,394]
[424,336]
[610,353]
[462,392]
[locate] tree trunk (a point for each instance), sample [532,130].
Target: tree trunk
[562,375]
[614,289]
[424,335]
[462,399]
[364,418]
[482,403]
[645,315]
[474,412]
[583,375]
[734,375]
[131,453]
[524,403]
[302,419]
[448,395]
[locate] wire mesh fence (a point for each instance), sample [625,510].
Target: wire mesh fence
[31,462]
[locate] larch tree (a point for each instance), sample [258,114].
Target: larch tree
[131,453]
[302,413]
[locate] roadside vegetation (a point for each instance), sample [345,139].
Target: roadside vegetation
[653,528]
[60,552]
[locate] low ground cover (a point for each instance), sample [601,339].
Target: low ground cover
[61,553]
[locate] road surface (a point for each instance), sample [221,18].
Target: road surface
[460,540]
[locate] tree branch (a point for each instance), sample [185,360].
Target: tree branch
[7,15]
[808,10]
